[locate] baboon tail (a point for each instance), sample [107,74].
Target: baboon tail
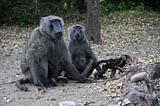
[97,65]
[20,82]
[100,62]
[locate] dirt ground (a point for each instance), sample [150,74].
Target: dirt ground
[137,36]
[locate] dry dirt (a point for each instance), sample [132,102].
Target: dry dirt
[137,36]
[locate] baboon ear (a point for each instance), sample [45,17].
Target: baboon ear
[83,28]
[69,30]
[61,19]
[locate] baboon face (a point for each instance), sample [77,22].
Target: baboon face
[77,32]
[127,59]
[52,26]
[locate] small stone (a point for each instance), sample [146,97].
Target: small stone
[67,103]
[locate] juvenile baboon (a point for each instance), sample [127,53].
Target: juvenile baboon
[46,55]
[113,64]
[81,53]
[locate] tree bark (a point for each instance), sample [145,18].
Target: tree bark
[93,21]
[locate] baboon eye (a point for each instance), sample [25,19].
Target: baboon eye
[80,31]
[74,30]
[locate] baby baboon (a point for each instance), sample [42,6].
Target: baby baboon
[81,53]
[46,55]
[113,64]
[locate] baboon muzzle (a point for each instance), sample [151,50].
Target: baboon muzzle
[77,36]
[57,28]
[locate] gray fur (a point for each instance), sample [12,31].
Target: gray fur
[46,55]
[81,53]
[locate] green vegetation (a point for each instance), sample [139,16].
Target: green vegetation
[128,5]
[28,12]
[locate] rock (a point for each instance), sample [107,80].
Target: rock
[126,102]
[139,77]
[67,103]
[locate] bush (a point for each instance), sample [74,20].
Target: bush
[23,12]
[120,5]
[28,12]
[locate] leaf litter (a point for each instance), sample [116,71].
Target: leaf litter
[123,33]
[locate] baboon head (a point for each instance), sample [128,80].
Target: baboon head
[52,27]
[76,33]
[127,59]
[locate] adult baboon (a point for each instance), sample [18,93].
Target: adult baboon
[81,53]
[46,55]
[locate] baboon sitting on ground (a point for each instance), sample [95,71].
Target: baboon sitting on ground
[46,55]
[81,53]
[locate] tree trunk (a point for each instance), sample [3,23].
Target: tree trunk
[93,21]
